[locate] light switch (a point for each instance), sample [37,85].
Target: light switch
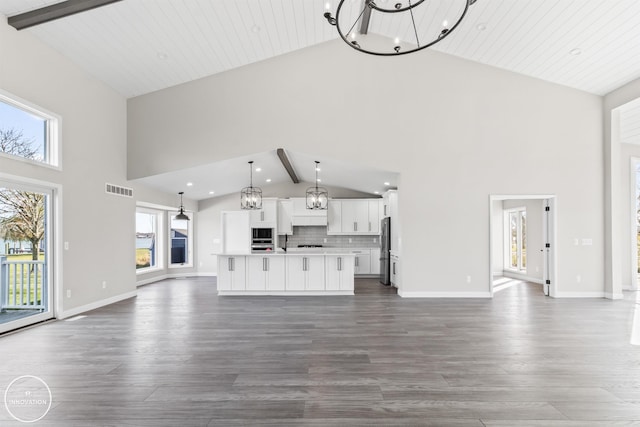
[587,242]
[66,246]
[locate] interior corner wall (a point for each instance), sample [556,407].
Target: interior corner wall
[617,257]
[209,217]
[456,130]
[98,226]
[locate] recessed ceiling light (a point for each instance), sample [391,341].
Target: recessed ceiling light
[258,169]
[386,183]
[212,192]
[268,179]
[319,180]
[376,192]
[162,55]
[481,26]
[189,184]
[575,51]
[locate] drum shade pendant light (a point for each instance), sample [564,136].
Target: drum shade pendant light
[396,27]
[181,215]
[251,197]
[317,197]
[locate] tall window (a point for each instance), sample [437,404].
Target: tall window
[516,242]
[27,132]
[148,240]
[181,244]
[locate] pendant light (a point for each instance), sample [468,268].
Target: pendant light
[317,197]
[181,215]
[251,197]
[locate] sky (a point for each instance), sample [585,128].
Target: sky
[32,127]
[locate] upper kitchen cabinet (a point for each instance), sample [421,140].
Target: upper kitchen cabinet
[334,217]
[285,214]
[354,216]
[267,217]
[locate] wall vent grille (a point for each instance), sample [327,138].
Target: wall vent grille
[118,190]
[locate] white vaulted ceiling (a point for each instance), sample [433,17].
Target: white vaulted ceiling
[139,46]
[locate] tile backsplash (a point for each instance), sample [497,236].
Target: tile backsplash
[316,235]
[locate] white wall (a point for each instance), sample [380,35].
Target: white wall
[616,158]
[208,217]
[100,228]
[456,130]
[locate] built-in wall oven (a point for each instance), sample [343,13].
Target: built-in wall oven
[262,240]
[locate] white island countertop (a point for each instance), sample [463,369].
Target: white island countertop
[286,273]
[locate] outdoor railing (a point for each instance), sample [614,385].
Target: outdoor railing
[21,284]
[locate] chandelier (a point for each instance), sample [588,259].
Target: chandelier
[317,197]
[251,197]
[396,27]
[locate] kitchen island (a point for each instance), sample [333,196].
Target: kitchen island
[281,273]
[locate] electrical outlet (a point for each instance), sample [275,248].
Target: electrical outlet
[104,284]
[68,293]
[375,240]
[468,279]
[66,246]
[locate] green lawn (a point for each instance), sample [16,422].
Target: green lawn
[36,285]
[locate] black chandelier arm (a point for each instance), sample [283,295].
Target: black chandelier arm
[413,21]
[358,18]
[395,9]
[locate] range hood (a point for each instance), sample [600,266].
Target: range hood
[302,220]
[306,217]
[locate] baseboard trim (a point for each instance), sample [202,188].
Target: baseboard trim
[207,274]
[172,276]
[88,307]
[579,295]
[611,295]
[283,293]
[152,280]
[422,294]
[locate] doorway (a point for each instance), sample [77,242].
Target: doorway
[26,254]
[522,242]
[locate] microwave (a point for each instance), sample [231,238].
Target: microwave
[262,233]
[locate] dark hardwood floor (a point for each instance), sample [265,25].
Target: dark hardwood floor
[179,355]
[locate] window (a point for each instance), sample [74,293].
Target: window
[27,132]
[181,245]
[148,240]
[516,241]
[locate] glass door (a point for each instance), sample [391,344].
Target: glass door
[25,255]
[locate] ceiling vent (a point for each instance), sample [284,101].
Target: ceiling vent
[118,190]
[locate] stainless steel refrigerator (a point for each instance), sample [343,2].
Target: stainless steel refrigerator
[385,247]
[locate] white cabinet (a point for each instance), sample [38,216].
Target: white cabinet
[304,216]
[339,273]
[231,273]
[395,270]
[375,261]
[362,262]
[374,216]
[305,273]
[285,212]
[354,216]
[334,220]
[236,232]
[265,273]
[267,217]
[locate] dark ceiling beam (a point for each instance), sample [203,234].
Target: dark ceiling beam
[287,165]
[55,11]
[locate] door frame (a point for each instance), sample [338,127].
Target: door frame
[633,226]
[549,229]
[53,247]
